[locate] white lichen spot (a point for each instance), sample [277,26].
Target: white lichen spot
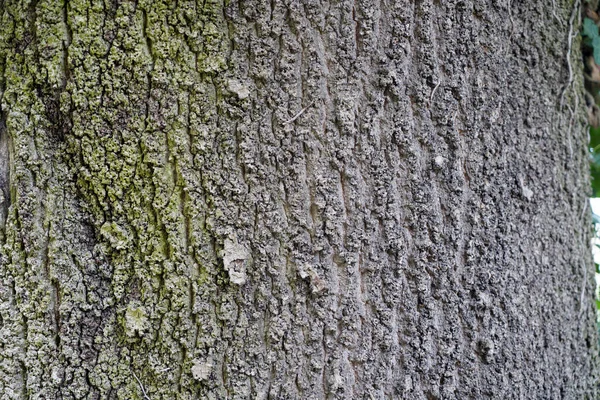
[527,193]
[136,320]
[235,260]
[201,371]
[57,375]
[303,270]
[439,161]
[495,115]
[317,284]
[238,88]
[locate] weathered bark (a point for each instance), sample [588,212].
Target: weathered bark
[293,200]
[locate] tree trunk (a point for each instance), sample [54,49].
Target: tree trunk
[294,200]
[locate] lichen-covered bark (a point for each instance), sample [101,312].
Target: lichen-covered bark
[292,200]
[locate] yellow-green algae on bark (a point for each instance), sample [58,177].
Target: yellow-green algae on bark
[112,111]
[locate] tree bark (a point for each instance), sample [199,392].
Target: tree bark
[294,200]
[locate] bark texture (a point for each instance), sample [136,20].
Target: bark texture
[339,199]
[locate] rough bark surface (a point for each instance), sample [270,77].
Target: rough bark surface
[341,199]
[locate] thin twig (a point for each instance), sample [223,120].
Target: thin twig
[433,91]
[512,22]
[295,117]
[554,12]
[572,111]
[569,50]
[141,386]
[571,120]
[585,269]
[585,206]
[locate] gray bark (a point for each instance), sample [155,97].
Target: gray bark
[294,200]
